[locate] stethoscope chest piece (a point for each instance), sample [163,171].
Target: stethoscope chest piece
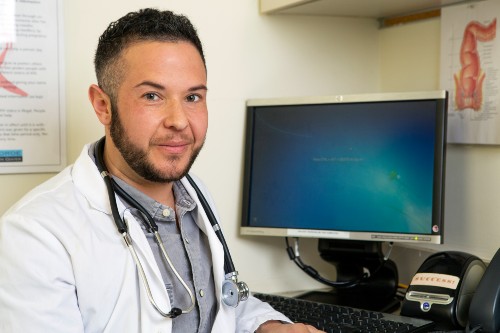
[233,292]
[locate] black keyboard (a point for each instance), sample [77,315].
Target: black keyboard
[341,319]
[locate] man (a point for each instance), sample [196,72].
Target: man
[64,266]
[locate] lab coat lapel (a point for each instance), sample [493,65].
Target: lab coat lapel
[93,187]
[88,180]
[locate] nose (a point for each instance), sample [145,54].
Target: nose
[175,115]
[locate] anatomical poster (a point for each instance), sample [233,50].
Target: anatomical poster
[470,71]
[32,112]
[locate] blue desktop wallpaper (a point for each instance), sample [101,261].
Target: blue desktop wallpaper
[351,167]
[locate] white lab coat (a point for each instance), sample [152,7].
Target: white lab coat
[65,268]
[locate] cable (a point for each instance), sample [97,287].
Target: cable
[294,255]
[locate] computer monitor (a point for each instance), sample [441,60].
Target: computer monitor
[350,170]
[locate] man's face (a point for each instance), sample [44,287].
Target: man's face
[160,118]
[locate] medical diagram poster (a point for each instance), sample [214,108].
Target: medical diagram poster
[32,111]
[470,64]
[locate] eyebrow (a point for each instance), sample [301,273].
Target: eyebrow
[162,87]
[199,87]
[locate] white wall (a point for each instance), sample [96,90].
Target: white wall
[410,61]
[248,56]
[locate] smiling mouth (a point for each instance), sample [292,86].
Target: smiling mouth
[174,148]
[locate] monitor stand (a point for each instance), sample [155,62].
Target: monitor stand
[376,293]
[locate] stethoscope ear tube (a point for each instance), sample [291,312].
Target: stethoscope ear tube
[174,312]
[99,146]
[232,291]
[228,262]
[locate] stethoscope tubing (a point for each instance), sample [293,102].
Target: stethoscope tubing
[228,262]
[122,227]
[174,312]
[159,241]
[231,284]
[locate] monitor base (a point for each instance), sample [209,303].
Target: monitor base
[374,277]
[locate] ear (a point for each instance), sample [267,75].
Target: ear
[101,103]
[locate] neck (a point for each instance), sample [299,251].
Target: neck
[160,192]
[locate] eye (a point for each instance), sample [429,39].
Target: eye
[193,98]
[151,96]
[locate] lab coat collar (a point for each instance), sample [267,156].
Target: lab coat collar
[88,180]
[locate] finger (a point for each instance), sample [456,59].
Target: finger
[313,329]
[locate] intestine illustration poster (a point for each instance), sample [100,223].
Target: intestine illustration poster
[470,64]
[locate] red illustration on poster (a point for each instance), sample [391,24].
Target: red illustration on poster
[469,80]
[4,82]
[470,71]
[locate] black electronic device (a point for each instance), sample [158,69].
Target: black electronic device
[443,288]
[484,312]
[354,171]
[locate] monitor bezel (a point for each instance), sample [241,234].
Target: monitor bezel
[440,158]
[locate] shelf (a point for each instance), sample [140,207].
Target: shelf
[378,9]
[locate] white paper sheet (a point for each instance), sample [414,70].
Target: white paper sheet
[470,64]
[32,111]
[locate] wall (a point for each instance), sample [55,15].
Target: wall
[248,56]
[254,56]
[409,57]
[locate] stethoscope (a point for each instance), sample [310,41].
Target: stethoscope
[232,291]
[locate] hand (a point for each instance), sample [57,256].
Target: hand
[274,326]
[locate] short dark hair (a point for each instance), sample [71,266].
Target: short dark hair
[144,25]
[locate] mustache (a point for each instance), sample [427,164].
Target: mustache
[171,138]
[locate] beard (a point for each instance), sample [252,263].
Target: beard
[138,160]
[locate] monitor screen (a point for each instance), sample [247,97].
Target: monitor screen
[362,167]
